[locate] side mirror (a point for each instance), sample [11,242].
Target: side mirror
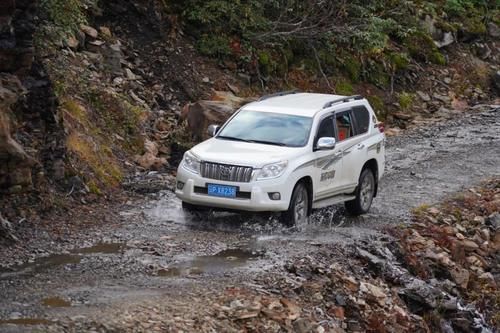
[326,143]
[213,129]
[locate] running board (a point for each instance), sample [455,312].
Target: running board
[332,201]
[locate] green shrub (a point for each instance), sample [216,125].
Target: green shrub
[67,15]
[301,33]
[405,100]
[437,58]
[344,88]
[353,68]
[420,45]
[377,74]
[399,61]
[378,106]
[213,46]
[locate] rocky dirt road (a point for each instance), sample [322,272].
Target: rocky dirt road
[159,260]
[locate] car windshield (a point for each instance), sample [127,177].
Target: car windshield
[268,128]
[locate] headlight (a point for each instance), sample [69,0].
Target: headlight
[273,170]
[191,163]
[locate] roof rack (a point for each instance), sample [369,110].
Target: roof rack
[282,93]
[343,100]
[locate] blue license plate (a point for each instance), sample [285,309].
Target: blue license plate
[222,191]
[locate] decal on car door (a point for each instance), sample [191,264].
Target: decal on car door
[326,162]
[327,175]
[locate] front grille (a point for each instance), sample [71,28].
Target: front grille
[230,173]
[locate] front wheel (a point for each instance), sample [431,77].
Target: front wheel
[364,194]
[298,210]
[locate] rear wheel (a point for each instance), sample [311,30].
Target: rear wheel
[364,194]
[298,211]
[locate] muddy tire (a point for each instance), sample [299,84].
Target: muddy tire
[298,211]
[364,194]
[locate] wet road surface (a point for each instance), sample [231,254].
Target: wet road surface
[159,251]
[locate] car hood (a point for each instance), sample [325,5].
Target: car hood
[243,153]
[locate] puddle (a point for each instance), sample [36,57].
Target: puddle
[40,264]
[55,260]
[220,262]
[56,302]
[26,321]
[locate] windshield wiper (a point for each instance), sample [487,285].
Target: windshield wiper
[250,141]
[268,143]
[232,138]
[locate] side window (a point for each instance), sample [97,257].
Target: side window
[326,129]
[362,119]
[344,126]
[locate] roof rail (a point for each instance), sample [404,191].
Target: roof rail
[282,93]
[342,100]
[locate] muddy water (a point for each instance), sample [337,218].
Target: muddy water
[55,302]
[72,258]
[25,321]
[220,262]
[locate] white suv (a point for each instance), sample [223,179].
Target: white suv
[288,152]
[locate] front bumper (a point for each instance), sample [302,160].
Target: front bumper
[254,198]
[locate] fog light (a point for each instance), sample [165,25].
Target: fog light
[274,195]
[180,185]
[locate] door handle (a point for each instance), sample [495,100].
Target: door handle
[338,154]
[361,146]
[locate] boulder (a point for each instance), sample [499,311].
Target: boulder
[216,111]
[493,30]
[72,42]
[446,39]
[441,38]
[89,31]
[150,160]
[105,31]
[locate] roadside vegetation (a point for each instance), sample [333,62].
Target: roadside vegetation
[346,43]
